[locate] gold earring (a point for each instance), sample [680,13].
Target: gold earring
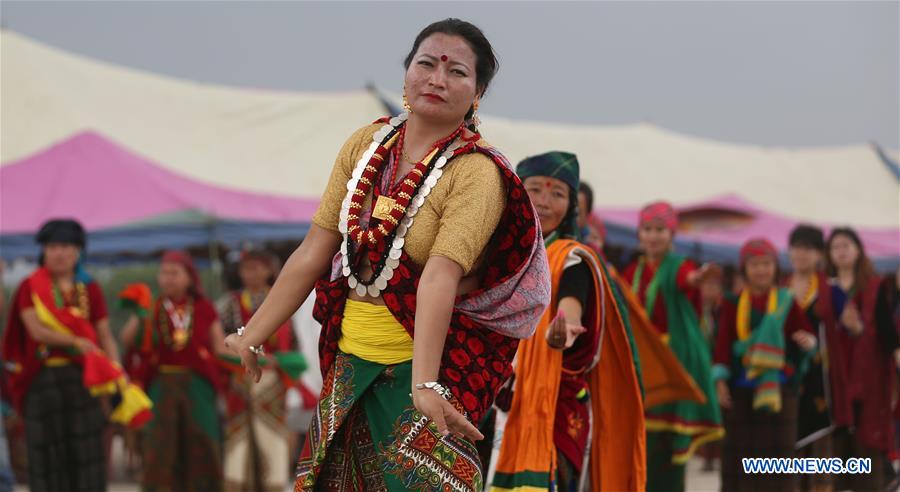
[406,105]
[474,119]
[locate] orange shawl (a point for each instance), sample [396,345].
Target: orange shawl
[528,459]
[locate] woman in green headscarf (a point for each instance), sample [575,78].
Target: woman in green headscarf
[557,404]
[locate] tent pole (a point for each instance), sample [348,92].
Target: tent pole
[215,262]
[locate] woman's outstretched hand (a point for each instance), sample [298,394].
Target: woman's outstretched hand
[248,358]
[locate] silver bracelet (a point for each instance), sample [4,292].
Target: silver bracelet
[258,349]
[436,387]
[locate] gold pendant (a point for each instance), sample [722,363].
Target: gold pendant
[383,207]
[180,337]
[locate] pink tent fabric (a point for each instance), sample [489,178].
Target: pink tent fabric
[94,179]
[104,185]
[776,228]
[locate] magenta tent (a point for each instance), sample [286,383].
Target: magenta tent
[134,203]
[106,186]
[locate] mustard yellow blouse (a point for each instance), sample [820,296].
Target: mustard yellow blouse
[458,218]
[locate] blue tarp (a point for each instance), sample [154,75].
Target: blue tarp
[150,239]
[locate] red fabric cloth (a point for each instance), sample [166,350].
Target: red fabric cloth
[21,354]
[659,317]
[860,372]
[22,301]
[95,298]
[722,352]
[198,355]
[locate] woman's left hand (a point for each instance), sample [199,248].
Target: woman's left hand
[444,416]
[804,340]
[707,270]
[560,334]
[248,358]
[852,320]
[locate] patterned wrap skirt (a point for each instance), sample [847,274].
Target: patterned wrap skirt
[367,436]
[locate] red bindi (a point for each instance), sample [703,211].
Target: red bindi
[549,183]
[443,58]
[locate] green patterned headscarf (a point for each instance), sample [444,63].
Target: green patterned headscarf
[564,167]
[555,164]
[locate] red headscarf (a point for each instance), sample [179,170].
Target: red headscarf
[757,247]
[661,211]
[183,259]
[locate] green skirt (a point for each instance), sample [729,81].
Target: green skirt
[367,435]
[182,443]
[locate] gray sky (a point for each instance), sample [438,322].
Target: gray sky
[786,73]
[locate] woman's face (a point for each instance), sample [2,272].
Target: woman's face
[254,273]
[844,252]
[174,280]
[550,197]
[655,238]
[804,258]
[61,258]
[440,82]
[760,271]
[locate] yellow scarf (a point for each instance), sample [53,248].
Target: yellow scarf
[743,311]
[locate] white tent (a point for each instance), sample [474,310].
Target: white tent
[629,166]
[284,143]
[252,140]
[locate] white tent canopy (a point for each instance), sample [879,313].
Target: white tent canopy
[628,166]
[285,143]
[254,140]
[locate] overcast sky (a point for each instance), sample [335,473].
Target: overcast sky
[785,73]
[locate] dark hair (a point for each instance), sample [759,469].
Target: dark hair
[588,195]
[808,236]
[486,63]
[568,228]
[863,270]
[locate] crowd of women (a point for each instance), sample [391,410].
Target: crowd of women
[474,336]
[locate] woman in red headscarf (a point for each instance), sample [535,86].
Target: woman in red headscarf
[763,348]
[178,339]
[666,284]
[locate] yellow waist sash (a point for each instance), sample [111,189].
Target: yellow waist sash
[372,333]
[172,369]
